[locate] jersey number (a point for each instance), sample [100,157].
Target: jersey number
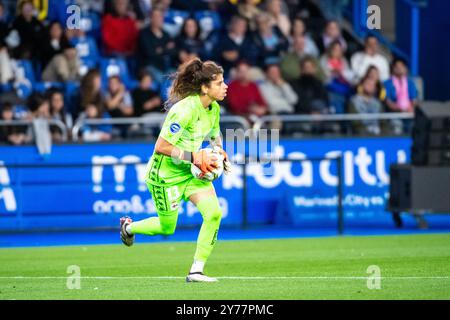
[173,193]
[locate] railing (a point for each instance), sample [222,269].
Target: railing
[156,120]
[359,21]
[331,118]
[52,122]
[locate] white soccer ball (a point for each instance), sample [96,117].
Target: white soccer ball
[210,176]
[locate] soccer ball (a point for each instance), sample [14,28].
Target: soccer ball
[210,176]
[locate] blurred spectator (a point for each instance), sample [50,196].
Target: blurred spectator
[299,29]
[63,67]
[30,31]
[249,10]
[188,43]
[312,95]
[119,30]
[156,48]
[374,74]
[54,43]
[58,111]
[333,9]
[361,61]
[270,41]
[93,132]
[14,135]
[141,8]
[278,94]
[277,17]
[336,68]
[366,101]
[90,92]
[144,98]
[117,99]
[236,45]
[39,106]
[401,94]
[332,33]
[290,63]
[244,97]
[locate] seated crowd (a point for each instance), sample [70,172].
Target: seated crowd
[279,57]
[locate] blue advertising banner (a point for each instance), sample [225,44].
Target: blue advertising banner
[89,186]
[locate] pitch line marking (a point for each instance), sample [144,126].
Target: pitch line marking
[232,278]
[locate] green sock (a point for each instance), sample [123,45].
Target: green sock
[163,224]
[212,214]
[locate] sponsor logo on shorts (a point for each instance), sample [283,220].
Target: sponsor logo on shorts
[174,206]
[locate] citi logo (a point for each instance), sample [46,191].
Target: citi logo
[6,192]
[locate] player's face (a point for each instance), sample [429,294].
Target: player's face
[217,89]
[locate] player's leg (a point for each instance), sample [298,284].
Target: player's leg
[166,201]
[207,203]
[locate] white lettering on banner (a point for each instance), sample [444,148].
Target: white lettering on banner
[119,168]
[6,192]
[371,169]
[351,200]
[137,206]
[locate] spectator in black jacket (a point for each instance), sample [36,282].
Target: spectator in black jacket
[156,48]
[54,43]
[312,95]
[144,98]
[270,41]
[30,31]
[237,45]
[14,135]
[188,43]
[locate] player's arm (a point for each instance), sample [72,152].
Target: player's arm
[206,162]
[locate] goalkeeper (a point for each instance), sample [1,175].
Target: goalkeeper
[193,116]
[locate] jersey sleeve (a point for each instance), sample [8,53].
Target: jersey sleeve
[176,125]
[215,131]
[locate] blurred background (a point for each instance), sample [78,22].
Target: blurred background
[354,87]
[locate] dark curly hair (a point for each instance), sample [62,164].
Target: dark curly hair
[190,77]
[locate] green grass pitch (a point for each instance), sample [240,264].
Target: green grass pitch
[412,267]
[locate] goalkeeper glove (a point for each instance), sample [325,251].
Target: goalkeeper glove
[206,161]
[226,161]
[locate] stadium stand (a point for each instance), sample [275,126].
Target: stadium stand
[272,33]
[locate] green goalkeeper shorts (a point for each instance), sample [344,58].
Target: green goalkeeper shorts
[167,198]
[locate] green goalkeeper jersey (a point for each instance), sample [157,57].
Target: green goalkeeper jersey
[186,126]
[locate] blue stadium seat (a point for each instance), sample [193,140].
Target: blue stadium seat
[116,66]
[173,21]
[26,67]
[41,87]
[71,91]
[91,23]
[87,49]
[208,21]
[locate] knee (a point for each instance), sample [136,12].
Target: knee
[214,216]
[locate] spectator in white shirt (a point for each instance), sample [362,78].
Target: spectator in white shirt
[361,61]
[278,94]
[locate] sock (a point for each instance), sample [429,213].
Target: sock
[197,266]
[163,224]
[212,214]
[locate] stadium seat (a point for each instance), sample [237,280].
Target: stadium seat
[173,21]
[90,22]
[86,48]
[208,21]
[116,66]
[41,87]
